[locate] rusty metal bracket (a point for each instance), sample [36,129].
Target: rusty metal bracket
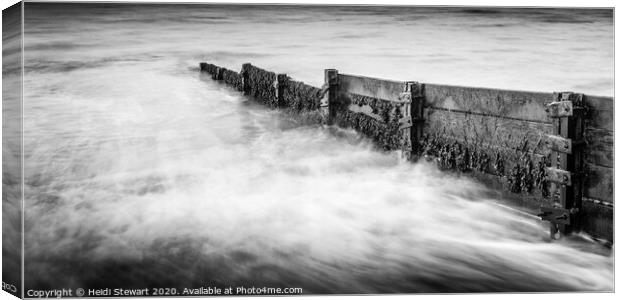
[559,109]
[575,98]
[405,96]
[561,144]
[565,104]
[559,176]
[556,215]
[405,123]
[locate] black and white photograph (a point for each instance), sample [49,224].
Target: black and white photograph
[204,149]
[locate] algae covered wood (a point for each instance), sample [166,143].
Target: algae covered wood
[510,140]
[489,130]
[595,220]
[371,87]
[600,112]
[599,149]
[527,106]
[599,183]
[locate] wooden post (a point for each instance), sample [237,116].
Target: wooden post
[566,171]
[280,85]
[412,123]
[217,75]
[329,103]
[245,81]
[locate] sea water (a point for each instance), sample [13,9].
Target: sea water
[141,173]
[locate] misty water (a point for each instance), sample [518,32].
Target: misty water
[141,173]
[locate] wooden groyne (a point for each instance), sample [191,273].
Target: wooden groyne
[549,153]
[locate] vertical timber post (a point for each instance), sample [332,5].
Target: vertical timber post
[279,86]
[217,75]
[566,170]
[329,102]
[405,123]
[417,116]
[412,123]
[245,78]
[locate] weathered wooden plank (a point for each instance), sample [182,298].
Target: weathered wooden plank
[371,87]
[480,129]
[600,119]
[598,220]
[599,183]
[300,96]
[209,68]
[528,106]
[517,172]
[232,78]
[364,109]
[379,109]
[516,150]
[599,148]
[599,102]
[386,135]
[260,84]
[600,112]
